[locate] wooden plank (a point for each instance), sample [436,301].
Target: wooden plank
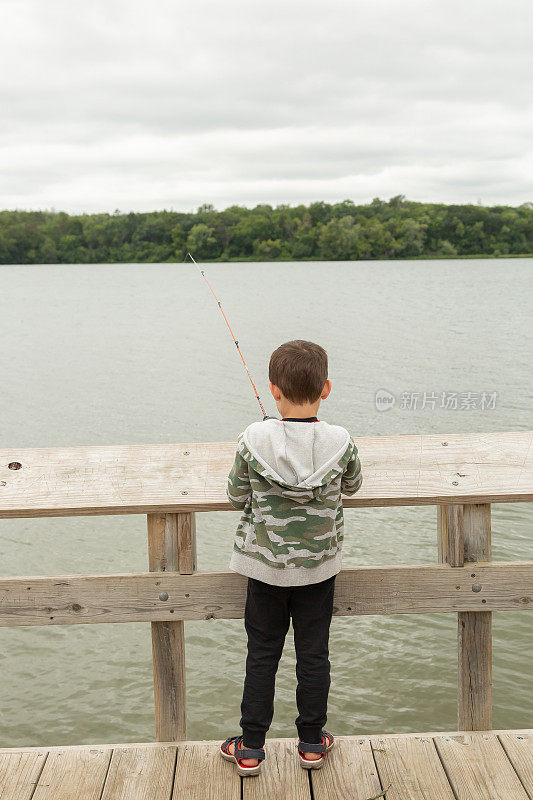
[186,524]
[477,532]
[418,589]
[349,772]
[281,776]
[19,772]
[474,634]
[53,748]
[475,671]
[411,768]
[442,534]
[140,773]
[519,750]
[73,774]
[215,743]
[202,774]
[162,542]
[450,531]
[166,478]
[477,767]
[168,638]
[168,655]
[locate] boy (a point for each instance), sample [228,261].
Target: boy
[287,480]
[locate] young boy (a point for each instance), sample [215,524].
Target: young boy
[287,479]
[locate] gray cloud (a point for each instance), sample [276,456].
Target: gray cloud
[134,105]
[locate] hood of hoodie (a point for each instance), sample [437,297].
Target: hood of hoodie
[300,458]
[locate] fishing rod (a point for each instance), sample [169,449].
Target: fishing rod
[202,273]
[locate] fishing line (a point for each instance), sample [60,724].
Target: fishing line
[202,273]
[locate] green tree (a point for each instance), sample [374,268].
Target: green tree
[338,239]
[202,243]
[179,240]
[269,250]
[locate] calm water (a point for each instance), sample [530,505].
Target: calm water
[98,354]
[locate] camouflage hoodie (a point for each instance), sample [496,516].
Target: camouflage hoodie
[287,479]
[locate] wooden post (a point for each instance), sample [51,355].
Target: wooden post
[464,536]
[450,532]
[475,632]
[186,529]
[171,547]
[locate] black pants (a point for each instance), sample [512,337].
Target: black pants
[266,619]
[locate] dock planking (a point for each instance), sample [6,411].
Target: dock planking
[167,478]
[281,776]
[140,772]
[202,774]
[73,774]
[19,772]
[350,772]
[441,766]
[519,750]
[411,768]
[478,766]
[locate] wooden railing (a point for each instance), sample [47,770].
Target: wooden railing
[460,474]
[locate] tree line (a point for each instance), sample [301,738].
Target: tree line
[395,228]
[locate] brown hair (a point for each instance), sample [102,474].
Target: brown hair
[299,369]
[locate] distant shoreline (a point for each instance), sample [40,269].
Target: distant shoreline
[252,260]
[393,230]
[274,261]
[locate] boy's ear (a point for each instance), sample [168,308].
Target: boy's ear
[274,391]
[326,390]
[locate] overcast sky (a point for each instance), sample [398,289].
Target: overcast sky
[141,105]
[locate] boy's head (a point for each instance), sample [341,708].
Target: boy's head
[298,375]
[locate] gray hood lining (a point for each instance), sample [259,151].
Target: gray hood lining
[296,454]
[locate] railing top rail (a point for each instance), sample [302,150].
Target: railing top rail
[141,479]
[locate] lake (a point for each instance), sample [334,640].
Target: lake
[138,353]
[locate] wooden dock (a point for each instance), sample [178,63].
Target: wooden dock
[432,766]
[460,474]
